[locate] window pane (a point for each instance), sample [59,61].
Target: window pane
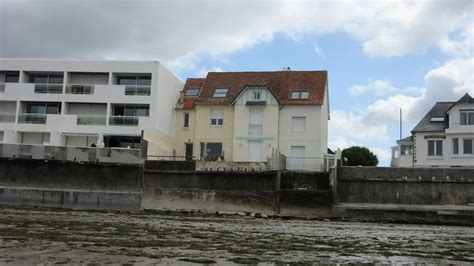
[144,81]
[470,118]
[191,92]
[14,78]
[439,147]
[455,146]
[295,95]
[186,120]
[142,111]
[128,81]
[53,109]
[39,79]
[55,79]
[220,93]
[304,95]
[431,147]
[463,118]
[467,146]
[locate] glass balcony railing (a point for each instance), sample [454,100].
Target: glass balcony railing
[79,89]
[96,120]
[49,88]
[255,129]
[123,121]
[32,118]
[138,90]
[7,118]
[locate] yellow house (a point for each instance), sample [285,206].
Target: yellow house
[245,116]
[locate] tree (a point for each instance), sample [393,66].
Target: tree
[359,156]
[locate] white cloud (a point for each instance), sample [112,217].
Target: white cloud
[203,71]
[370,126]
[318,50]
[178,33]
[377,86]
[383,154]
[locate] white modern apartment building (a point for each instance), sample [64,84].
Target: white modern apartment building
[80,102]
[444,137]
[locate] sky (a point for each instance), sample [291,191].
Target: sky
[381,56]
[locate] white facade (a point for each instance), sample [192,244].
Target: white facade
[443,138]
[303,135]
[457,142]
[80,102]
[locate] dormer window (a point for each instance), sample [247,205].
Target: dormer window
[220,93]
[296,95]
[256,95]
[192,92]
[437,119]
[467,117]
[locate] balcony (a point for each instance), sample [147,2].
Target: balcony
[79,89]
[7,118]
[91,120]
[49,88]
[137,90]
[30,118]
[123,120]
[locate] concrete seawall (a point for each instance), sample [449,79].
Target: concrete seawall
[257,192]
[431,186]
[100,186]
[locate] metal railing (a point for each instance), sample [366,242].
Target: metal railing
[317,164]
[49,88]
[7,118]
[123,120]
[139,90]
[79,89]
[99,120]
[171,158]
[28,118]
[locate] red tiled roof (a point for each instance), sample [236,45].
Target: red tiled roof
[281,83]
[188,102]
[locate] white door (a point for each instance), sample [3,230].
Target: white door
[296,161]
[255,151]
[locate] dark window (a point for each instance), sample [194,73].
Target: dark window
[134,80]
[455,146]
[467,146]
[123,142]
[12,78]
[192,92]
[43,108]
[435,147]
[130,110]
[467,117]
[211,151]
[186,120]
[406,150]
[46,79]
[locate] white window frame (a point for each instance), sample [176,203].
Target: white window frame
[257,95]
[468,115]
[455,143]
[435,149]
[192,89]
[472,146]
[217,117]
[303,95]
[293,120]
[254,127]
[184,119]
[220,92]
